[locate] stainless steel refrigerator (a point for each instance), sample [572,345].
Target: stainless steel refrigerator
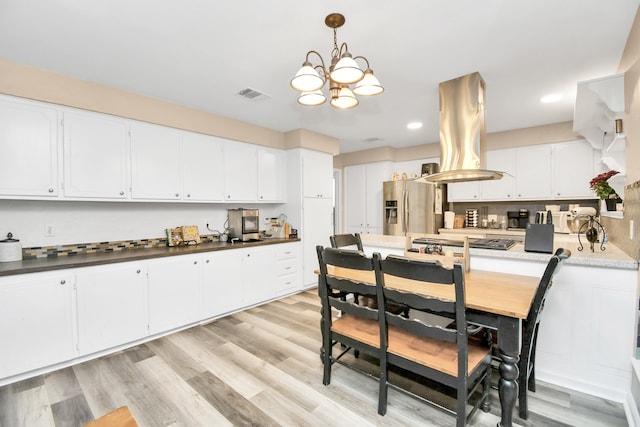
[412,207]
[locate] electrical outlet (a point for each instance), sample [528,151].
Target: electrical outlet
[49,231]
[632,228]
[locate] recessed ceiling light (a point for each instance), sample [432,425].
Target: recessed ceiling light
[552,97]
[414,125]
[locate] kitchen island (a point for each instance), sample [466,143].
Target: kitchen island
[587,335]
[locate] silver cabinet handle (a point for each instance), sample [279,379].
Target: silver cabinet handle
[62,282]
[122,193]
[51,190]
[177,194]
[207,261]
[195,262]
[138,271]
[188,195]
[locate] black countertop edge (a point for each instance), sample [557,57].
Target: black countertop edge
[103,258]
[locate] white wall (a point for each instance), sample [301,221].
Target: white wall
[87,222]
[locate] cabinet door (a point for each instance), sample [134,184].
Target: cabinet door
[375,176]
[271,170]
[317,226]
[37,321]
[317,174]
[156,162]
[501,189]
[355,198]
[203,167]
[28,149]
[258,275]
[469,191]
[533,172]
[111,306]
[241,175]
[96,161]
[573,168]
[174,292]
[221,282]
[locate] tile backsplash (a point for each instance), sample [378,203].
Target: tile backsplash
[619,229]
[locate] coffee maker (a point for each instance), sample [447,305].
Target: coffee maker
[518,219]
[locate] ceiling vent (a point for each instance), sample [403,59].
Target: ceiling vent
[372,140]
[253,94]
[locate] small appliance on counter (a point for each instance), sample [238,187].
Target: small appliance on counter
[518,219]
[560,220]
[244,224]
[10,249]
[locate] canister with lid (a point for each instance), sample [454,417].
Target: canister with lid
[10,249]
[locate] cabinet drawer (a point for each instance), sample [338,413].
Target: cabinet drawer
[287,266]
[286,252]
[286,282]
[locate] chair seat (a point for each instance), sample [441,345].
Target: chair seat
[120,417]
[436,354]
[363,330]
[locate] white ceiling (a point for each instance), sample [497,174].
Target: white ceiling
[200,53]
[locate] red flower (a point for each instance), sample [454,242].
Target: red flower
[601,187]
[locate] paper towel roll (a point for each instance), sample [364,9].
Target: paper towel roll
[449,217]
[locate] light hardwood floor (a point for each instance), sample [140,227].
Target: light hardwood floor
[259,367]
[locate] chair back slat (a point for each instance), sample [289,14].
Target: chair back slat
[421,329]
[422,270]
[421,303]
[346,240]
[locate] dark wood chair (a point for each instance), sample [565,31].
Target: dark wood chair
[357,328]
[346,240]
[526,365]
[442,354]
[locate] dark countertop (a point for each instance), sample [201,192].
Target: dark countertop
[86,260]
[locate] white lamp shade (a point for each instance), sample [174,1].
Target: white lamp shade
[369,85]
[307,79]
[312,98]
[345,99]
[346,71]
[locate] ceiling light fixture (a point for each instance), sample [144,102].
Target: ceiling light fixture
[553,97]
[343,72]
[414,125]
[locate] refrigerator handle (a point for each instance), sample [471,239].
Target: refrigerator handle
[405,211]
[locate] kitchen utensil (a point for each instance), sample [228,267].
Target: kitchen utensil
[539,237]
[10,249]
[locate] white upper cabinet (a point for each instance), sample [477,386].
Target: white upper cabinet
[573,167]
[28,148]
[271,170]
[317,174]
[501,189]
[156,162]
[240,172]
[96,160]
[533,172]
[363,186]
[469,191]
[202,167]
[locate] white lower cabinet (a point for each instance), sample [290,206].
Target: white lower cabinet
[36,321]
[174,292]
[111,305]
[221,283]
[258,275]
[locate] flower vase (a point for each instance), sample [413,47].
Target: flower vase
[611,204]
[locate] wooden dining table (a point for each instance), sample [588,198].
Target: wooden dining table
[498,301]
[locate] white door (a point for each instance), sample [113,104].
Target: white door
[241,174]
[111,305]
[28,149]
[37,322]
[202,167]
[533,172]
[156,163]
[355,198]
[573,168]
[316,229]
[174,292]
[501,189]
[221,282]
[96,161]
[271,170]
[317,174]
[258,275]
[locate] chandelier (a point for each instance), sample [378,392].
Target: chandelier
[343,72]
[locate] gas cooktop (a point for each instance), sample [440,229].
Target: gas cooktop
[498,244]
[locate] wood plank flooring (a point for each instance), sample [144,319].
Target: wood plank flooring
[260,367]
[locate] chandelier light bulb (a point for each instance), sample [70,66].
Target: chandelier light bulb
[345,99]
[369,85]
[312,98]
[346,70]
[307,79]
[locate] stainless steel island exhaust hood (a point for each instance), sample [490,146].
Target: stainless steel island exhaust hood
[462,132]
